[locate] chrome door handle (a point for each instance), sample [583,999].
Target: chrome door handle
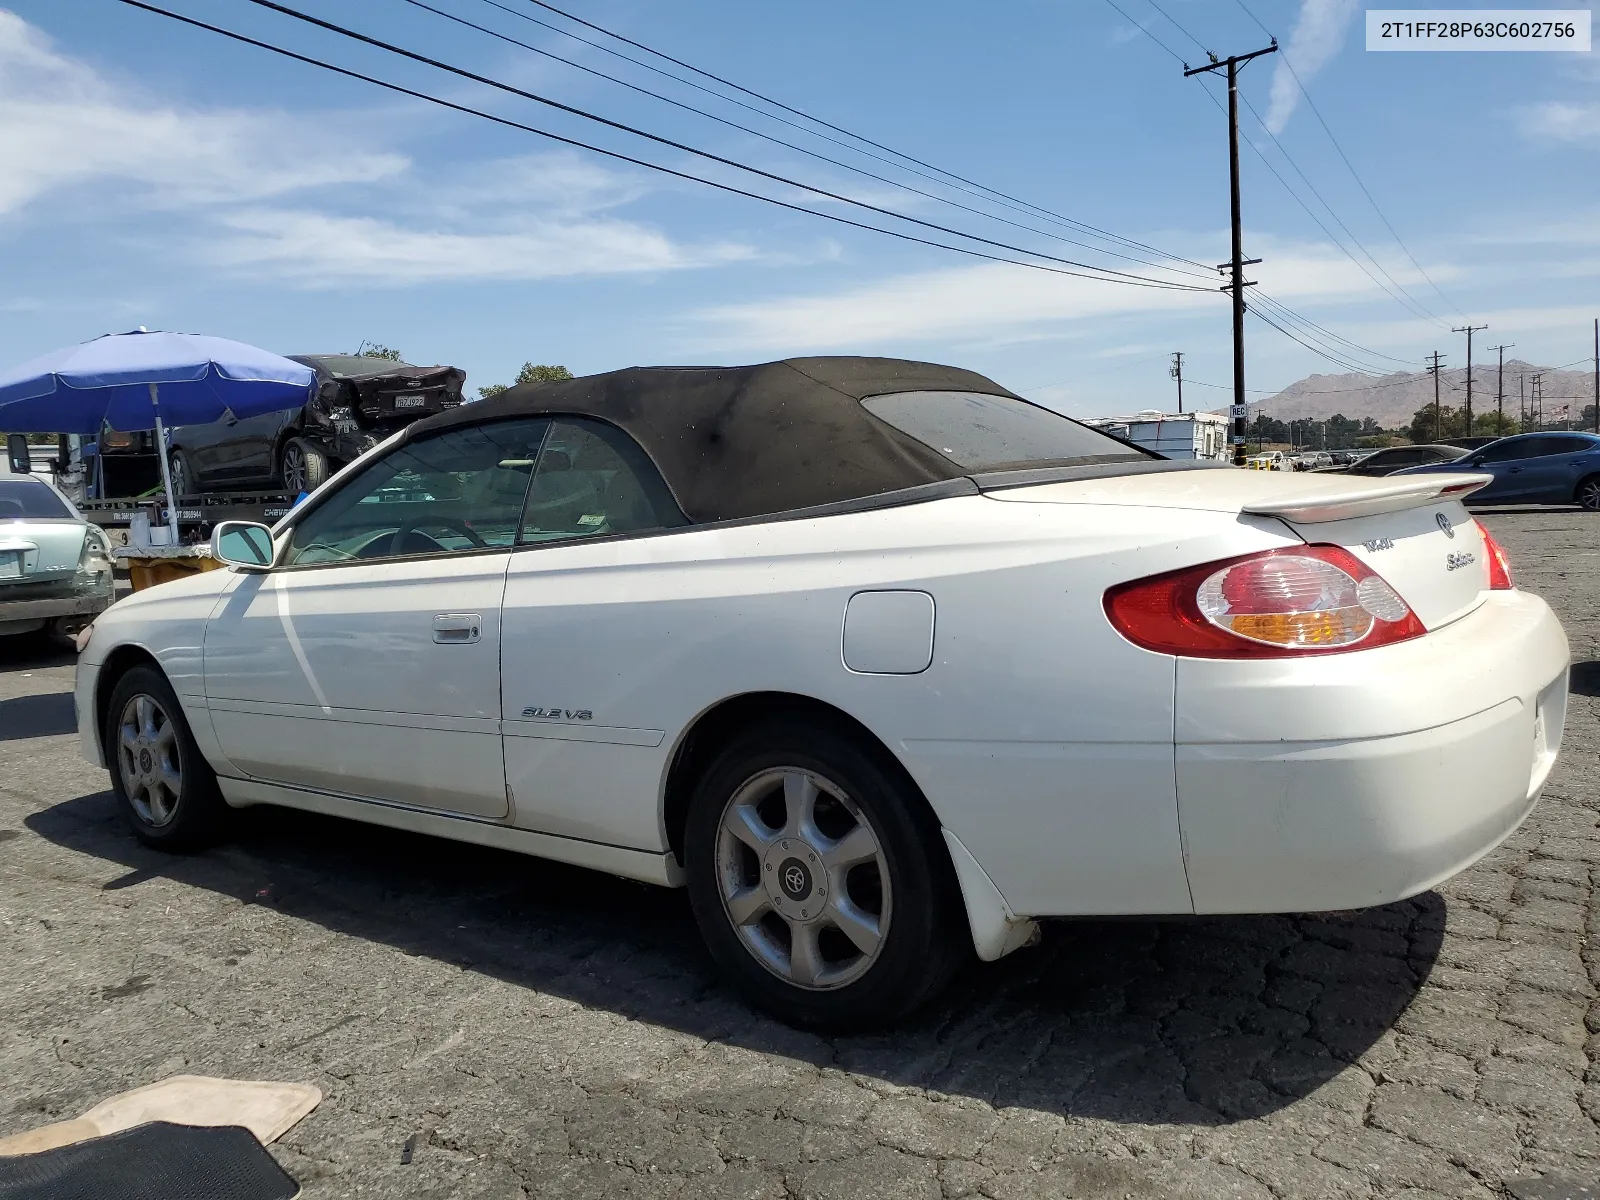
[455,628]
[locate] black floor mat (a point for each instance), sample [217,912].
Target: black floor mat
[158,1161]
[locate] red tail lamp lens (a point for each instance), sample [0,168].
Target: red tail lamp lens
[1499,565]
[1281,603]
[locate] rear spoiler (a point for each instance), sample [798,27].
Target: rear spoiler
[1414,491]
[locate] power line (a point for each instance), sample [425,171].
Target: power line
[791,145]
[1354,174]
[1415,305]
[615,154]
[1203,48]
[1106,273]
[1007,200]
[1285,314]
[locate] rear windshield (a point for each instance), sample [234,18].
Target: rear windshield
[28,499]
[980,432]
[345,366]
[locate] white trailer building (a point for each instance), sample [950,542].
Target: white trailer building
[1172,435]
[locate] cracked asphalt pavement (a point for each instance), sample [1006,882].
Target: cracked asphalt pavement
[486,1026]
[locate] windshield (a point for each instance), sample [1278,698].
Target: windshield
[28,499]
[980,432]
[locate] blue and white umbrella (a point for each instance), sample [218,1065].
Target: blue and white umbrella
[145,380]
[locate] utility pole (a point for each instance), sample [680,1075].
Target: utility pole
[1469,330]
[1538,400]
[1597,375]
[1500,389]
[1237,262]
[1522,405]
[1176,371]
[1434,371]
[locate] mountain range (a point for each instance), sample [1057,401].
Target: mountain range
[1392,399]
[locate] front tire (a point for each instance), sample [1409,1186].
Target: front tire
[1587,495]
[818,880]
[164,786]
[302,467]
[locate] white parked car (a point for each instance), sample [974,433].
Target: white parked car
[55,567]
[881,661]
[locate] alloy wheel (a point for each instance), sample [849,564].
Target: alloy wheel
[294,469]
[1589,495]
[803,878]
[178,469]
[149,760]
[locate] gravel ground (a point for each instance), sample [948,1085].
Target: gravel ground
[534,1030]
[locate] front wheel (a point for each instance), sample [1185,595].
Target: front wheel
[165,788]
[818,880]
[1588,494]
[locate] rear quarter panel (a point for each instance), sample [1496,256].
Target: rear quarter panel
[1040,737]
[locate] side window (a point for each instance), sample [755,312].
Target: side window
[1397,458]
[1509,451]
[456,491]
[1570,445]
[592,479]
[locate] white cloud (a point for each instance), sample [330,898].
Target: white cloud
[962,302]
[997,303]
[1317,37]
[316,249]
[1561,121]
[62,125]
[68,131]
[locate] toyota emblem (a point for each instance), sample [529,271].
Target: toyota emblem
[1444,525]
[794,879]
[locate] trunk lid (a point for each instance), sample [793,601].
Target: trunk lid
[1413,531]
[407,394]
[37,551]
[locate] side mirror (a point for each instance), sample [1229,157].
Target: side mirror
[242,544]
[17,452]
[1476,460]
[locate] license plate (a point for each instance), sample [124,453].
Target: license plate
[10,564]
[410,401]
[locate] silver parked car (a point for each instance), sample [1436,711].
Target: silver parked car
[55,567]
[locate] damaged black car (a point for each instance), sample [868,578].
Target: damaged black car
[360,401]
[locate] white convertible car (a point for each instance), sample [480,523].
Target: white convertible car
[882,661]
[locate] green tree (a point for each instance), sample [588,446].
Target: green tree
[530,373]
[1493,424]
[1428,426]
[377,350]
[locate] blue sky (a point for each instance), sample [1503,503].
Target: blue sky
[157,175]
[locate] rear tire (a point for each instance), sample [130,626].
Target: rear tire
[301,466]
[182,478]
[819,880]
[1587,494]
[164,786]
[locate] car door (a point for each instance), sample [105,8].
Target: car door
[1514,465]
[243,453]
[1566,458]
[583,756]
[367,662]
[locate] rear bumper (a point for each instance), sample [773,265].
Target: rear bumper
[66,601]
[1361,779]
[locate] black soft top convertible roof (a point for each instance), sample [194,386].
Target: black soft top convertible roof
[736,442]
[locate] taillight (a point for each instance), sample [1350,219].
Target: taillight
[1499,565]
[1280,603]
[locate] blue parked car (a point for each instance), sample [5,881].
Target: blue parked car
[1532,468]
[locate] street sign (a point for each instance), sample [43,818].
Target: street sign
[1237,440]
[1238,410]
